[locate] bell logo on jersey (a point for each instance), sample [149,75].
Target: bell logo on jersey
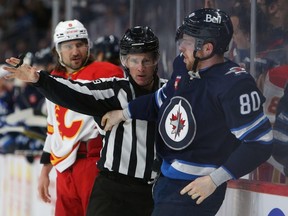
[210,18]
[177,126]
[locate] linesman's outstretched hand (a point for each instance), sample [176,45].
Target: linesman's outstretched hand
[20,71]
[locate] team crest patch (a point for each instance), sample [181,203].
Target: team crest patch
[236,71]
[177,126]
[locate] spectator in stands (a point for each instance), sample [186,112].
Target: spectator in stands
[274,45]
[280,152]
[241,45]
[7,139]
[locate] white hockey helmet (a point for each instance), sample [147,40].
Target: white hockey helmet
[70,30]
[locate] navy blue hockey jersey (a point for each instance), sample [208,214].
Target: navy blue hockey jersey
[211,121]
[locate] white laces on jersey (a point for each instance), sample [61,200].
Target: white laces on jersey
[193,75]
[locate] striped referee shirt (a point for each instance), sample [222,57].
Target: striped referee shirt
[129,148]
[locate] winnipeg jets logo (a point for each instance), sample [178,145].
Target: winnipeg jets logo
[236,71]
[177,122]
[177,126]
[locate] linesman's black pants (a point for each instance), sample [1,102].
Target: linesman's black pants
[117,195]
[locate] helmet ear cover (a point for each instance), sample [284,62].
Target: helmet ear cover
[199,44]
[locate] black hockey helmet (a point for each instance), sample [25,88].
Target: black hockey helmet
[139,39]
[209,25]
[43,57]
[109,45]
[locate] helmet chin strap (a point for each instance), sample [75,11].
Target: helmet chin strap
[194,73]
[197,59]
[60,60]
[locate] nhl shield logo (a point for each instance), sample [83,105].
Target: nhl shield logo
[177,126]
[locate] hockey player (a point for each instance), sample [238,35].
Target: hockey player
[124,185]
[211,125]
[73,143]
[106,48]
